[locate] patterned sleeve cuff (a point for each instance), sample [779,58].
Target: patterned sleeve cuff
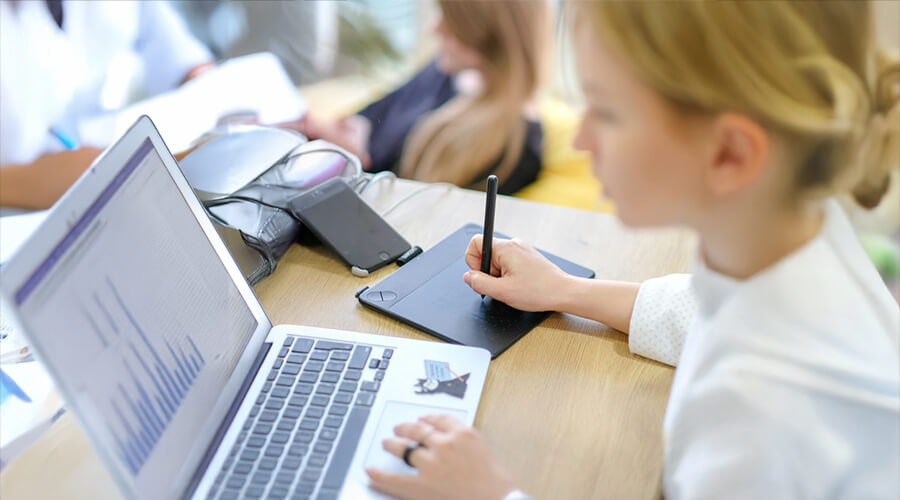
[663,311]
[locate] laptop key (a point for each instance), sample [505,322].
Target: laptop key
[267,463]
[322,447]
[254,491]
[343,397]
[278,492]
[325,389]
[311,473]
[236,482]
[281,437]
[365,399]
[331,377]
[262,428]
[334,366]
[255,410]
[319,355]
[339,410]
[297,359]
[359,357]
[379,375]
[272,374]
[320,400]
[275,450]
[283,352]
[315,366]
[274,404]
[327,495]
[229,495]
[291,463]
[286,425]
[291,369]
[309,424]
[280,392]
[347,386]
[328,435]
[353,375]
[287,341]
[302,345]
[303,437]
[309,377]
[329,345]
[298,450]
[277,363]
[333,422]
[343,452]
[243,467]
[317,460]
[340,355]
[261,477]
[298,400]
[285,380]
[256,442]
[302,388]
[304,487]
[373,363]
[268,416]
[371,386]
[384,364]
[285,477]
[250,454]
[315,412]
[387,353]
[267,386]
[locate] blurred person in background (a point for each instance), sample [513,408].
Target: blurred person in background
[56,62]
[468,114]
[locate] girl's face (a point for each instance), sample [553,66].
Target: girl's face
[453,56]
[648,156]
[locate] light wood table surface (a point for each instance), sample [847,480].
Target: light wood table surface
[568,409]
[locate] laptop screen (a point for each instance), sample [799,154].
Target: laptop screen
[148,323]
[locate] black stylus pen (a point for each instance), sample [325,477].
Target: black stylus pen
[488,239]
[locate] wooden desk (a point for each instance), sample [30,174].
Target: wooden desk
[568,409]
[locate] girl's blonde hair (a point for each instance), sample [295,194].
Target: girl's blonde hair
[806,69]
[461,140]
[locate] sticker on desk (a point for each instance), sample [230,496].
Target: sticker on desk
[440,379]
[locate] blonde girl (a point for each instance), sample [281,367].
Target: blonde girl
[740,120]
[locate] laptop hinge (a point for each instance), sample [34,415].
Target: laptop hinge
[226,422]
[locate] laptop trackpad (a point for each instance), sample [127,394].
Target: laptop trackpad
[397,413]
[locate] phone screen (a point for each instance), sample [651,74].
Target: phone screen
[346,223]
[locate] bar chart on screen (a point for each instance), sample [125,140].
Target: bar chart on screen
[160,369]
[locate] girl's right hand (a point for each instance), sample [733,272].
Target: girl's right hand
[520,276]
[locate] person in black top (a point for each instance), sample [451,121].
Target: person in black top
[463,117]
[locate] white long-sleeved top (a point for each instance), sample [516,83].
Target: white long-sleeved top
[787,384]
[52,76]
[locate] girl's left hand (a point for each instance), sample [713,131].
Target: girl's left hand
[453,463]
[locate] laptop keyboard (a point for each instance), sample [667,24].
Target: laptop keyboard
[302,431]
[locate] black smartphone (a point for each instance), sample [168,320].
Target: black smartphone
[347,224]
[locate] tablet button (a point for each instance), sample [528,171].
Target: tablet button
[388,296]
[374,296]
[384,256]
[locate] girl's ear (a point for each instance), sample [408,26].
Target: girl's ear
[741,149]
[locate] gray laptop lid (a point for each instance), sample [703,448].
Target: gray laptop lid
[133,304]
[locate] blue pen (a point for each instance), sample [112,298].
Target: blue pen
[67,140]
[12,387]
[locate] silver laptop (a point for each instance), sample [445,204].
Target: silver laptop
[183,386]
